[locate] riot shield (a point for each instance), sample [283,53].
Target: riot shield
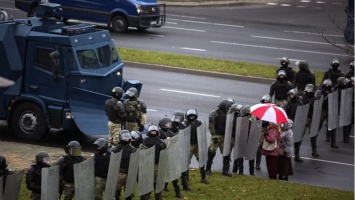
[132,174]
[146,171]
[50,183]
[185,148]
[202,144]
[162,170]
[84,178]
[346,108]
[228,134]
[299,123]
[240,144]
[333,110]
[12,187]
[317,110]
[253,140]
[112,175]
[174,170]
[1,192]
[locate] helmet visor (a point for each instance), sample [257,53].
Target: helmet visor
[76,151]
[46,160]
[176,118]
[167,125]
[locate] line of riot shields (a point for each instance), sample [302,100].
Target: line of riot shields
[337,115]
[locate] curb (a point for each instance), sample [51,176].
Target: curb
[199,72]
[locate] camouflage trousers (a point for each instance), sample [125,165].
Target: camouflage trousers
[132,126]
[69,191]
[194,151]
[114,133]
[215,142]
[100,184]
[122,179]
[35,196]
[280,102]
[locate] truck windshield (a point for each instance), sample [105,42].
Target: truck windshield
[97,58]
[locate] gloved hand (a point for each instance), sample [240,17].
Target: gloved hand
[141,128]
[215,140]
[162,145]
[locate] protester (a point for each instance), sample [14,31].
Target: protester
[286,144]
[270,149]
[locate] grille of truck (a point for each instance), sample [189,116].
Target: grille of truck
[150,10]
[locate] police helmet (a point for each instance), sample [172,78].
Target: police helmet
[102,143]
[153,127]
[265,99]
[352,66]
[136,135]
[342,81]
[309,88]
[281,72]
[132,92]
[190,113]
[165,123]
[284,61]
[225,104]
[73,148]
[245,110]
[125,135]
[235,108]
[327,82]
[178,116]
[292,91]
[117,92]
[335,63]
[302,64]
[43,158]
[3,164]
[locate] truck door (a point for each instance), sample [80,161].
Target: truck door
[73,9]
[100,9]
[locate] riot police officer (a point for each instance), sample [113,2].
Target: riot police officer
[177,120]
[66,168]
[116,114]
[136,111]
[4,172]
[351,71]
[34,175]
[304,76]
[151,140]
[280,87]
[191,119]
[290,72]
[333,73]
[137,139]
[101,161]
[126,148]
[236,109]
[217,125]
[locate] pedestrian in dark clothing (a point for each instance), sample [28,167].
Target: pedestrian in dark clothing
[279,88]
[333,73]
[286,144]
[290,72]
[304,76]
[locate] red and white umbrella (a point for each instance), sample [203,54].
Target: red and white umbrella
[269,112]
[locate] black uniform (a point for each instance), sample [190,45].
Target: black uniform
[333,74]
[302,78]
[290,72]
[34,179]
[280,88]
[102,162]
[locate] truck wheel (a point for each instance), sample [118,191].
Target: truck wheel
[28,122]
[119,24]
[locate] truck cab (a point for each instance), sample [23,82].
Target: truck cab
[117,14]
[63,75]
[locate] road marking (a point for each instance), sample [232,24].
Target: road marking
[208,23]
[291,40]
[278,48]
[309,33]
[320,2]
[193,93]
[327,161]
[192,49]
[286,5]
[152,110]
[272,4]
[186,29]
[305,1]
[171,23]
[186,16]
[156,35]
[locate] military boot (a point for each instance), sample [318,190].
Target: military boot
[211,156]
[241,166]
[158,196]
[346,133]
[177,189]
[185,181]
[333,139]
[225,171]
[145,196]
[118,195]
[314,146]
[258,158]
[251,167]
[297,146]
[166,187]
[328,135]
[235,166]
[203,175]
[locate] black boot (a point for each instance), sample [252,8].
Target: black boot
[327,137]
[314,146]
[297,146]
[185,181]
[118,195]
[129,198]
[177,189]
[333,139]
[211,156]
[158,196]
[145,197]
[225,171]
[241,166]
[235,166]
[346,133]
[166,187]
[258,158]
[203,175]
[251,167]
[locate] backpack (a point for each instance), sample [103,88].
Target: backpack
[133,110]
